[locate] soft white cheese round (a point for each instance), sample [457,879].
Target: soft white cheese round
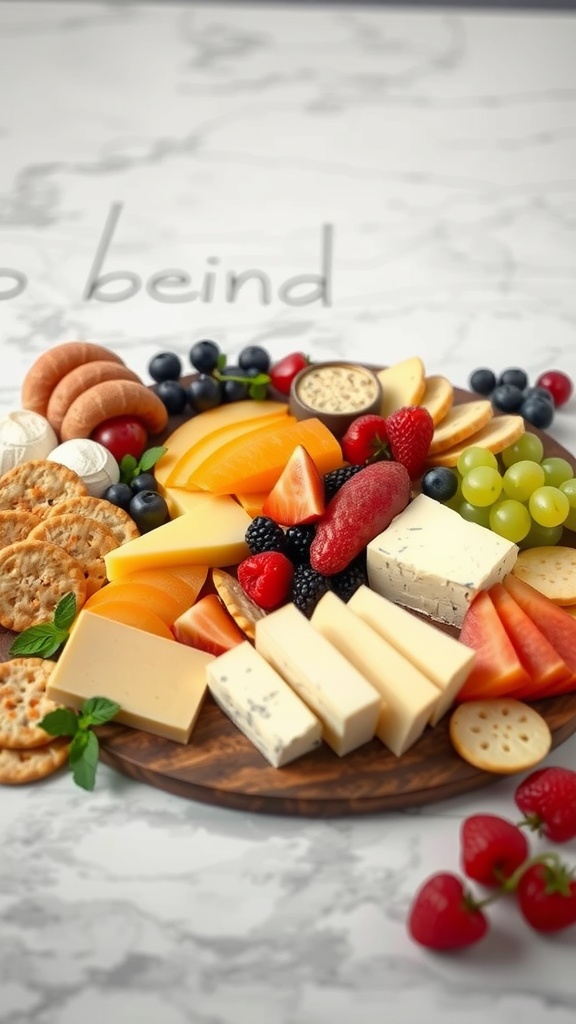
[92,461]
[24,435]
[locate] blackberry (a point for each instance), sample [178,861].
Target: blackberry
[355,575]
[307,589]
[298,541]
[264,534]
[334,480]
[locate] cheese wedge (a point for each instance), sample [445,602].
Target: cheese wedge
[344,701]
[441,658]
[210,533]
[460,423]
[160,685]
[409,698]
[262,705]
[438,397]
[497,434]
[402,384]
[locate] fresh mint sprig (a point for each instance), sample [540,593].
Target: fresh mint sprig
[43,640]
[257,386]
[131,467]
[84,748]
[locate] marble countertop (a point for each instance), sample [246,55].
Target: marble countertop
[398,182]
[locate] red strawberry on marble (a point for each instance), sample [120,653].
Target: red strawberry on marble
[444,915]
[546,896]
[547,798]
[410,430]
[491,848]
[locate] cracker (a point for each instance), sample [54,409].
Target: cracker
[38,485]
[460,423]
[15,525]
[500,735]
[114,518]
[495,435]
[551,570]
[438,397]
[23,701]
[242,608]
[20,766]
[83,538]
[34,577]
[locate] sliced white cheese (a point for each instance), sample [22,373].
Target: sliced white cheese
[345,702]
[409,698]
[442,658]
[262,705]
[434,561]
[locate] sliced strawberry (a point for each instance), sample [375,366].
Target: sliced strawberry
[557,626]
[298,495]
[497,670]
[207,626]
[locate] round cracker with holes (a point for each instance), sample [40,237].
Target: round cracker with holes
[23,701]
[551,570]
[501,735]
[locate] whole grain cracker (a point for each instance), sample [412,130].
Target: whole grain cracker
[85,539]
[551,570]
[23,701]
[20,766]
[15,525]
[242,608]
[114,518]
[500,735]
[38,485]
[34,577]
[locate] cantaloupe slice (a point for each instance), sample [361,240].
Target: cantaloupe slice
[200,426]
[254,503]
[134,615]
[183,592]
[163,605]
[254,463]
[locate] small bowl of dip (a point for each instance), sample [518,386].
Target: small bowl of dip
[336,393]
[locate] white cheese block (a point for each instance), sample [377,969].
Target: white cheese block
[444,660]
[434,561]
[409,698]
[24,435]
[262,705]
[92,461]
[344,701]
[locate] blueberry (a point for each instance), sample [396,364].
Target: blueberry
[482,381]
[143,482]
[148,510]
[439,483]
[204,393]
[537,392]
[120,495]
[537,411]
[204,356]
[507,397]
[172,394]
[514,375]
[234,391]
[254,357]
[165,366]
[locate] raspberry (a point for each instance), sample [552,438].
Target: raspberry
[298,541]
[267,578]
[264,534]
[308,587]
[334,480]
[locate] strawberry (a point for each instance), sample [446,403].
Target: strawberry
[365,440]
[546,896]
[491,848]
[267,578]
[444,915]
[364,506]
[410,431]
[548,799]
[298,494]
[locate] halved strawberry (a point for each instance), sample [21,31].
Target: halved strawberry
[298,494]
[208,626]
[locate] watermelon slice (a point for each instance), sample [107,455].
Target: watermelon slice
[558,626]
[208,626]
[540,659]
[497,670]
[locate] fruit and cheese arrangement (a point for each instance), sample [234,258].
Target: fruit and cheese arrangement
[347,565]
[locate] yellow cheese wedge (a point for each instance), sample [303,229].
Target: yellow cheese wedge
[402,384]
[178,500]
[497,434]
[440,657]
[160,685]
[438,397]
[409,698]
[211,533]
[201,426]
[460,423]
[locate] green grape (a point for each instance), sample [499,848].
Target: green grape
[482,486]
[557,471]
[570,521]
[569,489]
[474,514]
[521,478]
[473,457]
[548,506]
[528,446]
[541,536]
[510,519]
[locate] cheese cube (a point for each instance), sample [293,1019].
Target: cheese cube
[444,660]
[434,561]
[262,705]
[160,685]
[344,701]
[409,698]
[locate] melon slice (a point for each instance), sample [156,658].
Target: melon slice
[497,670]
[557,626]
[134,615]
[164,605]
[253,503]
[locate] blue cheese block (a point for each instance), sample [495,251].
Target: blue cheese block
[432,560]
[262,705]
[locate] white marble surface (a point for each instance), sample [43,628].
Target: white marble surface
[440,147]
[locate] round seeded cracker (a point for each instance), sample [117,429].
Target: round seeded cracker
[38,485]
[15,526]
[551,570]
[83,538]
[500,735]
[34,577]
[114,518]
[23,702]
[21,766]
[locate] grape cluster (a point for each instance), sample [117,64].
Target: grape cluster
[216,381]
[511,392]
[522,496]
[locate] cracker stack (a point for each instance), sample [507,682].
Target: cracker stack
[27,752]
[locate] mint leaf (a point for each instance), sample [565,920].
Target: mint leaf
[258,391]
[61,722]
[40,641]
[150,458]
[65,612]
[97,711]
[128,469]
[221,362]
[84,759]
